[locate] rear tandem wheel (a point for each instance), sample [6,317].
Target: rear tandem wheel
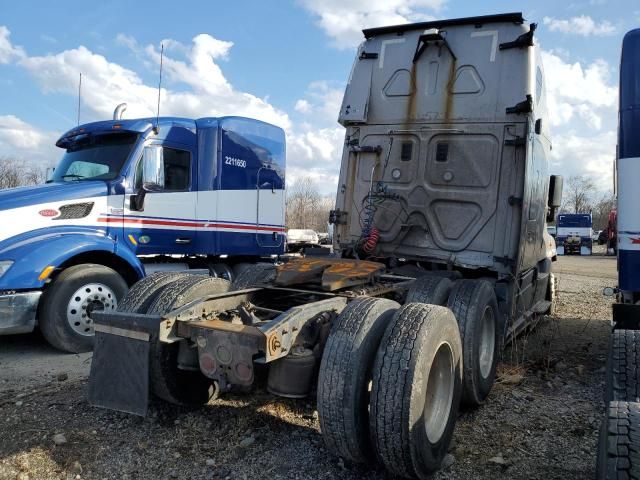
[474,304]
[167,381]
[160,293]
[417,382]
[345,376]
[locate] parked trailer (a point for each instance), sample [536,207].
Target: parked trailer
[133,197]
[439,259]
[619,444]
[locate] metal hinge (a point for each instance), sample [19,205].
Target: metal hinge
[366,149]
[368,56]
[524,40]
[515,142]
[525,106]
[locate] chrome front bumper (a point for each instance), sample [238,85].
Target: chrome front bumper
[18,312]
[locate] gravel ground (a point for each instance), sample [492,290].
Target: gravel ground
[540,421]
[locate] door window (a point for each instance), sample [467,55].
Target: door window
[177,170]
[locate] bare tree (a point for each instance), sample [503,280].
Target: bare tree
[578,194]
[306,207]
[601,209]
[14,173]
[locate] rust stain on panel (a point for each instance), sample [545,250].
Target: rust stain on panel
[448,95]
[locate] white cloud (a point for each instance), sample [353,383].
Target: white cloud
[575,153]
[105,84]
[18,134]
[344,20]
[582,101]
[8,52]
[323,98]
[581,25]
[303,106]
[22,141]
[574,90]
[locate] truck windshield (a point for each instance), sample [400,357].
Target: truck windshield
[95,157]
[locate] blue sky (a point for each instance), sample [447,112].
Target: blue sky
[283,61]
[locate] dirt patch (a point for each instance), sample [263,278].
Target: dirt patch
[540,421]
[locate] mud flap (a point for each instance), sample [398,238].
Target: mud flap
[585,251]
[119,378]
[559,250]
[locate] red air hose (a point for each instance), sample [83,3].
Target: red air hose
[371,241]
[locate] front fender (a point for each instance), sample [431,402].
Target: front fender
[35,250]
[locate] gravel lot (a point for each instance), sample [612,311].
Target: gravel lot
[540,421]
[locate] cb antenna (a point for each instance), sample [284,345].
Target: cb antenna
[79,96]
[157,127]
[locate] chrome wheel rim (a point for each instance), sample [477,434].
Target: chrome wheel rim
[89,298]
[487,342]
[439,397]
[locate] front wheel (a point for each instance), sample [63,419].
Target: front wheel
[67,305]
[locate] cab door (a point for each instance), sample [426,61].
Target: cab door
[167,223]
[270,209]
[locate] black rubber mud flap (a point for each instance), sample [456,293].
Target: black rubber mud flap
[119,378]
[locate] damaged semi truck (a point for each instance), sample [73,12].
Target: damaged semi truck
[439,259]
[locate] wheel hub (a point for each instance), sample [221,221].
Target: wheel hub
[487,342]
[439,399]
[87,299]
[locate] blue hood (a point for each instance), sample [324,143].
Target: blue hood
[50,192]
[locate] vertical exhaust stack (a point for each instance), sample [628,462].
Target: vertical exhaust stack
[120,109]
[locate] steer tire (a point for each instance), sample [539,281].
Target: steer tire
[345,376]
[474,304]
[167,381]
[145,291]
[430,289]
[417,383]
[257,274]
[53,317]
[619,443]
[623,367]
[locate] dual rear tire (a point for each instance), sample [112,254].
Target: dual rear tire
[390,383]
[161,293]
[475,307]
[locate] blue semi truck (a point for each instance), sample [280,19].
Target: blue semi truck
[574,233]
[131,197]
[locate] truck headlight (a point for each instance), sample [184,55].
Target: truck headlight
[4,266]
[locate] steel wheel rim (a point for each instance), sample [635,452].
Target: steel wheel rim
[439,397]
[89,298]
[487,342]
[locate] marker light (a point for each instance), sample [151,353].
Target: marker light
[46,272]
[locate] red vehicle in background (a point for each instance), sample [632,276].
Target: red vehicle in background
[609,235]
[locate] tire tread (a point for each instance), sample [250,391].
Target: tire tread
[430,289]
[393,379]
[619,449]
[350,349]
[623,367]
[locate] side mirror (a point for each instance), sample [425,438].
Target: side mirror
[49,174]
[555,196]
[152,168]
[152,175]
